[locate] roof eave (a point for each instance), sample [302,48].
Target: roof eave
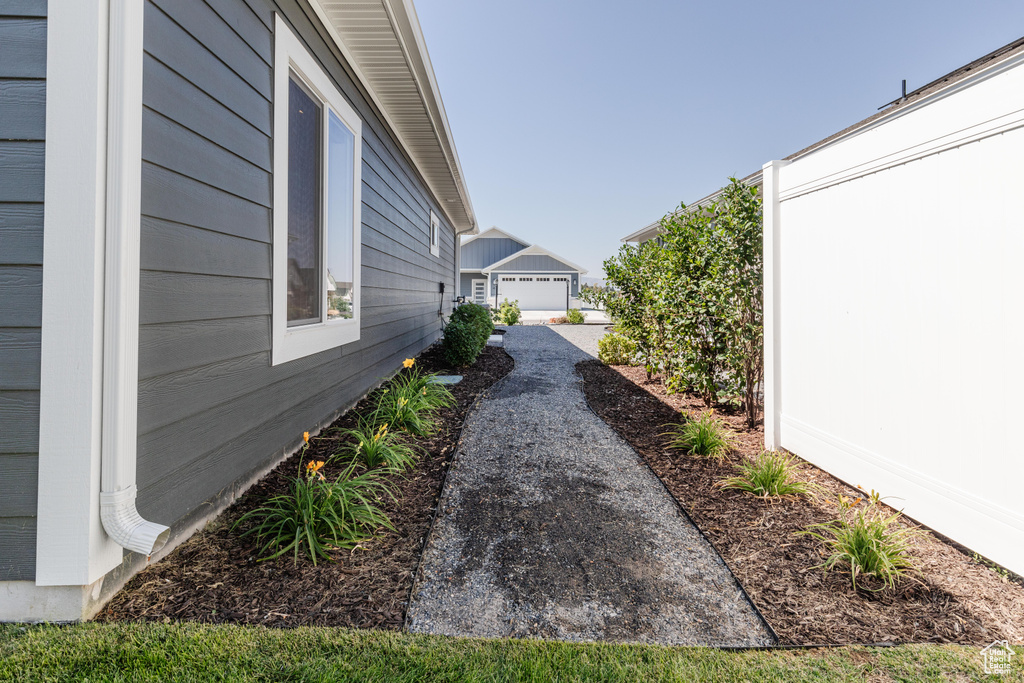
[445,180]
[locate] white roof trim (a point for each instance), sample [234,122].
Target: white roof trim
[533,250]
[383,44]
[494,229]
[652,230]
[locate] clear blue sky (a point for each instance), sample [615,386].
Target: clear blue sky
[578,122]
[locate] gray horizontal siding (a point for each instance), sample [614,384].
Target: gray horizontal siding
[483,252]
[18,541]
[22,151]
[536,263]
[212,409]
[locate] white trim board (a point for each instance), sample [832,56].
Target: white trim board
[71,547]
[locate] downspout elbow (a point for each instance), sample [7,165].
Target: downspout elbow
[126,527]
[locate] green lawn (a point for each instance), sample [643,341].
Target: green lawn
[191,652]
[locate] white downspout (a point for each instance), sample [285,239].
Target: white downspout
[121,520]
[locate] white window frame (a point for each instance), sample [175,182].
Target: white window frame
[435,232]
[290,343]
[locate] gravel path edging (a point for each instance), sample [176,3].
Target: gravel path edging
[686,513]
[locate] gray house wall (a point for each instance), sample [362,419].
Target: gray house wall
[536,262]
[212,409]
[22,130]
[487,250]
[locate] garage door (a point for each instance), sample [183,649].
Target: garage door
[536,293]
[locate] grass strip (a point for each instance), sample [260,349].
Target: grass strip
[195,652]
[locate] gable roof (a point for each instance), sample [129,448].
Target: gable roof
[384,45]
[534,250]
[493,232]
[892,109]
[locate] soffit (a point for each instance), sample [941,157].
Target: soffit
[384,45]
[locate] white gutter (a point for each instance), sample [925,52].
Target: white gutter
[121,520]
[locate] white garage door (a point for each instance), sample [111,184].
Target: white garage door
[533,293]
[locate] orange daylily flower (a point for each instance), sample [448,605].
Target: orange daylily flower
[408,362]
[313,468]
[305,436]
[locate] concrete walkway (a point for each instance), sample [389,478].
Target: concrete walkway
[550,526]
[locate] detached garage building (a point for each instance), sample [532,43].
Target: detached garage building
[496,266]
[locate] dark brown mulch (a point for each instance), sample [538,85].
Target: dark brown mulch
[953,599]
[214,576]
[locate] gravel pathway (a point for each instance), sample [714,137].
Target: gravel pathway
[550,526]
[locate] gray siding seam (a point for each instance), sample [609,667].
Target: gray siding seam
[158,5]
[212,142]
[201,182]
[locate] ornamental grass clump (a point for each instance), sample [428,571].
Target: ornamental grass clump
[375,446]
[707,436]
[868,541]
[421,389]
[770,475]
[318,515]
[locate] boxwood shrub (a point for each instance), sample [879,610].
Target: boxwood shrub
[461,343]
[477,319]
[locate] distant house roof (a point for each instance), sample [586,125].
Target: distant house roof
[494,232]
[892,108]
[535,250]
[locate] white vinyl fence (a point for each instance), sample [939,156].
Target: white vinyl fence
[894,309]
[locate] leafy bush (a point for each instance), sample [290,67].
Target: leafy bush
[615,349]
[691,300]
[478,319]
[868,541]
[707,436]
[508,313]
[318,515]
[461,343]
[768,476]
[575,316]
[375,446]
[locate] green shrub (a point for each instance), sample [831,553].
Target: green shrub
[460,345]
[318,515]
[374,445]
[868,541]
[707,436]
[479,321]
[575,316]
[769,476]
[616,349]
[508,313]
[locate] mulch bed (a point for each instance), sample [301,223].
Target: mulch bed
[954,599]
[214,577]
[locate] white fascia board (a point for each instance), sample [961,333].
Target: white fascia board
[404,17]
[652,230]
[643,234]
[534,250]
[496,232]
[441,135]
[71,547]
